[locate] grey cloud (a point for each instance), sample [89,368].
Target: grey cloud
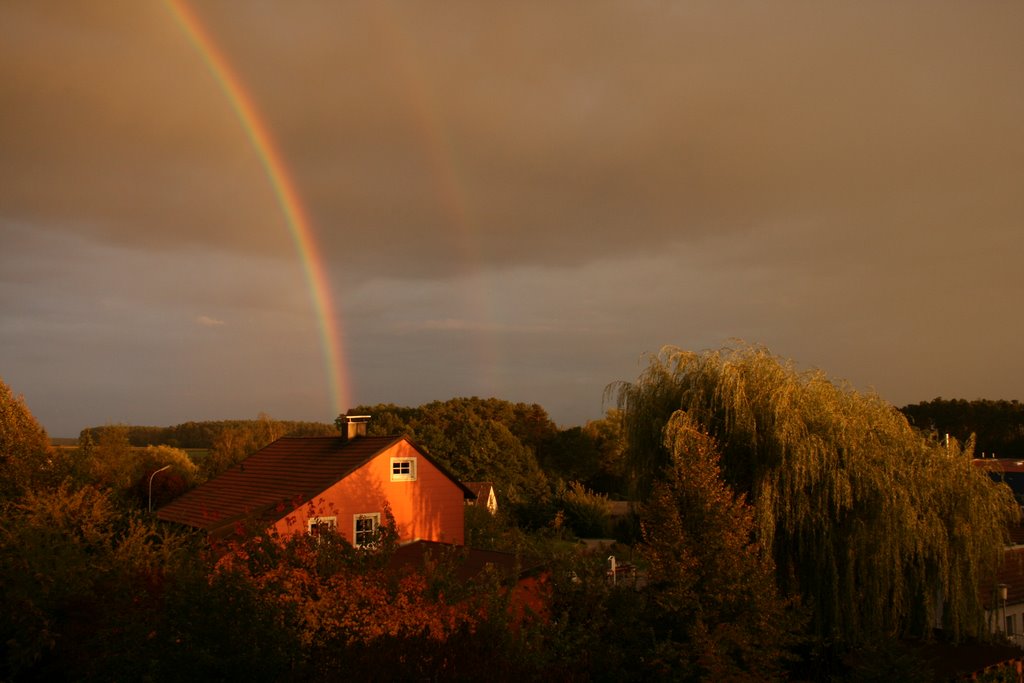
[563,135]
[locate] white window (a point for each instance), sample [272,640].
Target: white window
[403,469]
[320,525]
[364,528]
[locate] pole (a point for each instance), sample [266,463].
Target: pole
[165,467]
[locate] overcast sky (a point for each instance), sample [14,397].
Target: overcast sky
[512,199]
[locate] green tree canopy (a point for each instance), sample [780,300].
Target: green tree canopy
[262,430]
[714,608]
[26,458]
[476,439]
[866,518]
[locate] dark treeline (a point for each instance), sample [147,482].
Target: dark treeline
[204,434]
[998,426]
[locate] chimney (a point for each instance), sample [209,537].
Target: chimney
[353,426]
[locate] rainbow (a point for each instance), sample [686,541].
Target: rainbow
[287,197]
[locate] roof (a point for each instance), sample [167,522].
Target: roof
[1000,464]
[276,479]
[480,489]
[1005,470]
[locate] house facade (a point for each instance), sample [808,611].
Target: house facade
[350,483]
[1005,604]
[1005,601]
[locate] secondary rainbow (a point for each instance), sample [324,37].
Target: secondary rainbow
[287,197]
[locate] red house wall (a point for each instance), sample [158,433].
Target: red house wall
[431,508]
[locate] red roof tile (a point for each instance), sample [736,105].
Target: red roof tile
[273,481]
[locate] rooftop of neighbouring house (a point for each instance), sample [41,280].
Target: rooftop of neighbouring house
[1000,464]
[1009,471]
[481,488]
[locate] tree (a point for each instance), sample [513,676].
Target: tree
[163,486]
[26,458]
[572,455]
[997,425]
[608,438]
[109,460]
[478,439]
[230,447]
[714,609]
[865,517]
[586,512]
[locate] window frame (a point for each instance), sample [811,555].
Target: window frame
[403,476]
[313,524]
[356,531]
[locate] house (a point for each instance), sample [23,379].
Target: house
[1004,603]
[348,483]
[485,495]
[1008,471]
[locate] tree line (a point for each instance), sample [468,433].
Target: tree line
[204,434]
[997,426]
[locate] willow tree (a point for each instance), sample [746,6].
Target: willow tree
[879,528]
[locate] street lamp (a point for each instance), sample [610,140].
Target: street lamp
[165,467]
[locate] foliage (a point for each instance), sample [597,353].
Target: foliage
[109,461]
[597,631]
[93,594]
[231,442]
[26,459]
[106,458]
[485,530]
[163,485]
[203,434]
[865,518]
[587,513]
[479,440]
[78,583]
[572,455]
[357,615]
[609,440]
[714,608]
[998,426]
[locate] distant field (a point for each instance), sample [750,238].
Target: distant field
[198,455]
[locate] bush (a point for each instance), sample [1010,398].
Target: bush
[587,513]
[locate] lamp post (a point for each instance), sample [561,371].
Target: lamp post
[165,467]
[1003,592]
